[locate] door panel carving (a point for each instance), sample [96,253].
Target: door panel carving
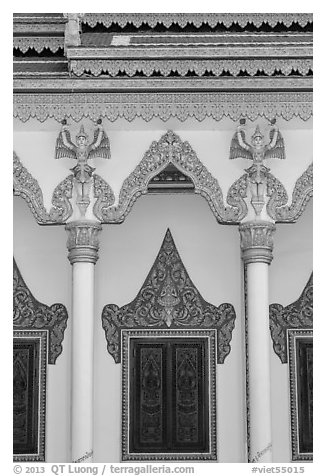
[168,382]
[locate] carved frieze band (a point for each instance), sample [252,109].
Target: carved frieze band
[181,66]
[196,19]
[256,241]
[171,149]
[163,105]
[29,314]
[168,299]
[303,191]
[298,315]
[26,186]
[25,43]
[83,241]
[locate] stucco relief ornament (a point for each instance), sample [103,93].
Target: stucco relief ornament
[82,151]
[257,151]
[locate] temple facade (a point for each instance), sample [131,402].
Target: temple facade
[162,173]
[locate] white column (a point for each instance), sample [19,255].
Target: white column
[83,247]
[257,246]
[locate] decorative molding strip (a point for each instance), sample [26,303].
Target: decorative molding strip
[185,334]
[197,19]
[41,336]
[168,298]
[256,241]
[83,241]
[294,337]
[181,66]
[163,105]
[25,43]
[34,82]
[171,149]
[27,187]
[30,314]
[298,315]
[301,195]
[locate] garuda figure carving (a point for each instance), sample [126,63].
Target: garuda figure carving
[257,151]
[82,151]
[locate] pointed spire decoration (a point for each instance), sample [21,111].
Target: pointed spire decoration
[168,298]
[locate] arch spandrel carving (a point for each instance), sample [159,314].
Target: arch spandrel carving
[170,149]
[277,207]
[168,299]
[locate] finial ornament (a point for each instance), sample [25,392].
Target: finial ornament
[257,151]
[82,151]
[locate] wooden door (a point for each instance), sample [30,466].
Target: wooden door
[169,411]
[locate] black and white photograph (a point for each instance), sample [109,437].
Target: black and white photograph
[162,241]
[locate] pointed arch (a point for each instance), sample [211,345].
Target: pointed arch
[170,149]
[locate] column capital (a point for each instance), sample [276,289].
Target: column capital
[256,241]
[83,241]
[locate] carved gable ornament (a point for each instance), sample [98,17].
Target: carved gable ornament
[168,299]
[298,315]
[31,315]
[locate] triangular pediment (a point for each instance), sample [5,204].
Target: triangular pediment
[168,299]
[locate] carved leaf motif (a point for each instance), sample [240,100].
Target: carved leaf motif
[28,313]
[277,193]
[301,195]
[168,297]
[298,315]
[62,208]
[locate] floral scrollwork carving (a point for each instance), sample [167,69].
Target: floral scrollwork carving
[29,314]
[277,193]
[168,298]
[104,194]
[298,315]
[303,191]
[236,194]
[62,208]
[27,187]
[171,149]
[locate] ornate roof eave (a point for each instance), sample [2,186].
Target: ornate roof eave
[197,19]
[31,100]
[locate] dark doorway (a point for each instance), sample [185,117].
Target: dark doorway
[169,409]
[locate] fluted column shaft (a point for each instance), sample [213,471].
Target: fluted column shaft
[83,247]
[256,247]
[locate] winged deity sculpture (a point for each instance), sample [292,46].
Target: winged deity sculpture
[82,151]
[257,151]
